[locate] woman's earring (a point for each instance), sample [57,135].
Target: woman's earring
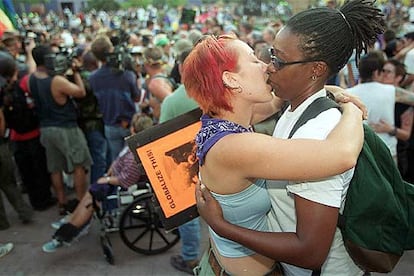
[238,89]
[313,77]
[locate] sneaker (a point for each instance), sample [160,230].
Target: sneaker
[178,263]
[57,224]
[51,246]
[5,249]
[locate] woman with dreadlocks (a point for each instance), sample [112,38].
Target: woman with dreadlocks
[312,46]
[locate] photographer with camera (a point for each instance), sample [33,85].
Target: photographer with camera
[12,43]
[65,143]
[116,91]
[90,117]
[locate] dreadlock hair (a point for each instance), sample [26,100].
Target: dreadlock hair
[331,35]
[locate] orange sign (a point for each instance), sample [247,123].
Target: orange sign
[167,153]
[172,168]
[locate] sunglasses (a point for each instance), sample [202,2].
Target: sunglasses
[279,64]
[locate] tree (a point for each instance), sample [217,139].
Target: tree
[32,1]
[103,5]
[136,3]
[176,3]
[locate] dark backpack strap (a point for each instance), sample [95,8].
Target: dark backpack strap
[314,109]
[318,106]
[170,80]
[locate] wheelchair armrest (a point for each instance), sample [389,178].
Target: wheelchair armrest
[142,185]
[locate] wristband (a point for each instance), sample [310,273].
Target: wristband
[393,132]
[107,179]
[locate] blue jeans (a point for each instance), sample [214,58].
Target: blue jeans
[190,239]
[98,148]
[115,136]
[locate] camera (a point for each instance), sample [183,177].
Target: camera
[32,35]
[120,57]
[59,63]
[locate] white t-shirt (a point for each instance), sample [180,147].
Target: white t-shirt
[411,14]
[409,61]
[380,101]
[329,191]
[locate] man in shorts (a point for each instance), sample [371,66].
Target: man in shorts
[65,143]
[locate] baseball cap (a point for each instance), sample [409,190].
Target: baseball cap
[9,35]
[162,41]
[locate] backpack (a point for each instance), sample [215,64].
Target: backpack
[377,223]
[19,111]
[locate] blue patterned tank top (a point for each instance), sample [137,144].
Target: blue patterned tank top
[247,208]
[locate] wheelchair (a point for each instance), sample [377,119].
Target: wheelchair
[135,215]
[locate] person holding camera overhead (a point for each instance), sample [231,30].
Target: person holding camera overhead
[116,90]
[64,141]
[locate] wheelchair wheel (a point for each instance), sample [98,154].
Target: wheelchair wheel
[107,249]
[141,229]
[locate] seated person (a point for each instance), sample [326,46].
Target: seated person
[124,172]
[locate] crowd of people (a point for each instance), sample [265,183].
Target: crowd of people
[89,80]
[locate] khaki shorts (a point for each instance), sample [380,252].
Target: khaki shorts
[66,148]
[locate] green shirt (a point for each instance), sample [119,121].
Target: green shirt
[176,104]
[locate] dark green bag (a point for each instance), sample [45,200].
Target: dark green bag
[377,223]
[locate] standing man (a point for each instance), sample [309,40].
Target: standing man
[174,105]
[65,144]
[90,120]
[116,90]
[28,152]
[8,75]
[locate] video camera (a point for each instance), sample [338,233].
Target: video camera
[29,35]
[119,58]
[59,63]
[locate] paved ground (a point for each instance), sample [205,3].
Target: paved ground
[85,257]
[81,258]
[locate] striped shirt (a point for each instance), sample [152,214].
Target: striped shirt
[126,168]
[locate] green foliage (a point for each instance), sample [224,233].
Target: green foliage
[176,3]
[157,3]
[32,1]
[136,3]
[104,5]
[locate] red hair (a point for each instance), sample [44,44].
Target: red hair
[202,73]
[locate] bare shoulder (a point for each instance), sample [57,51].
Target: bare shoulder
[59,80]
[236,150]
